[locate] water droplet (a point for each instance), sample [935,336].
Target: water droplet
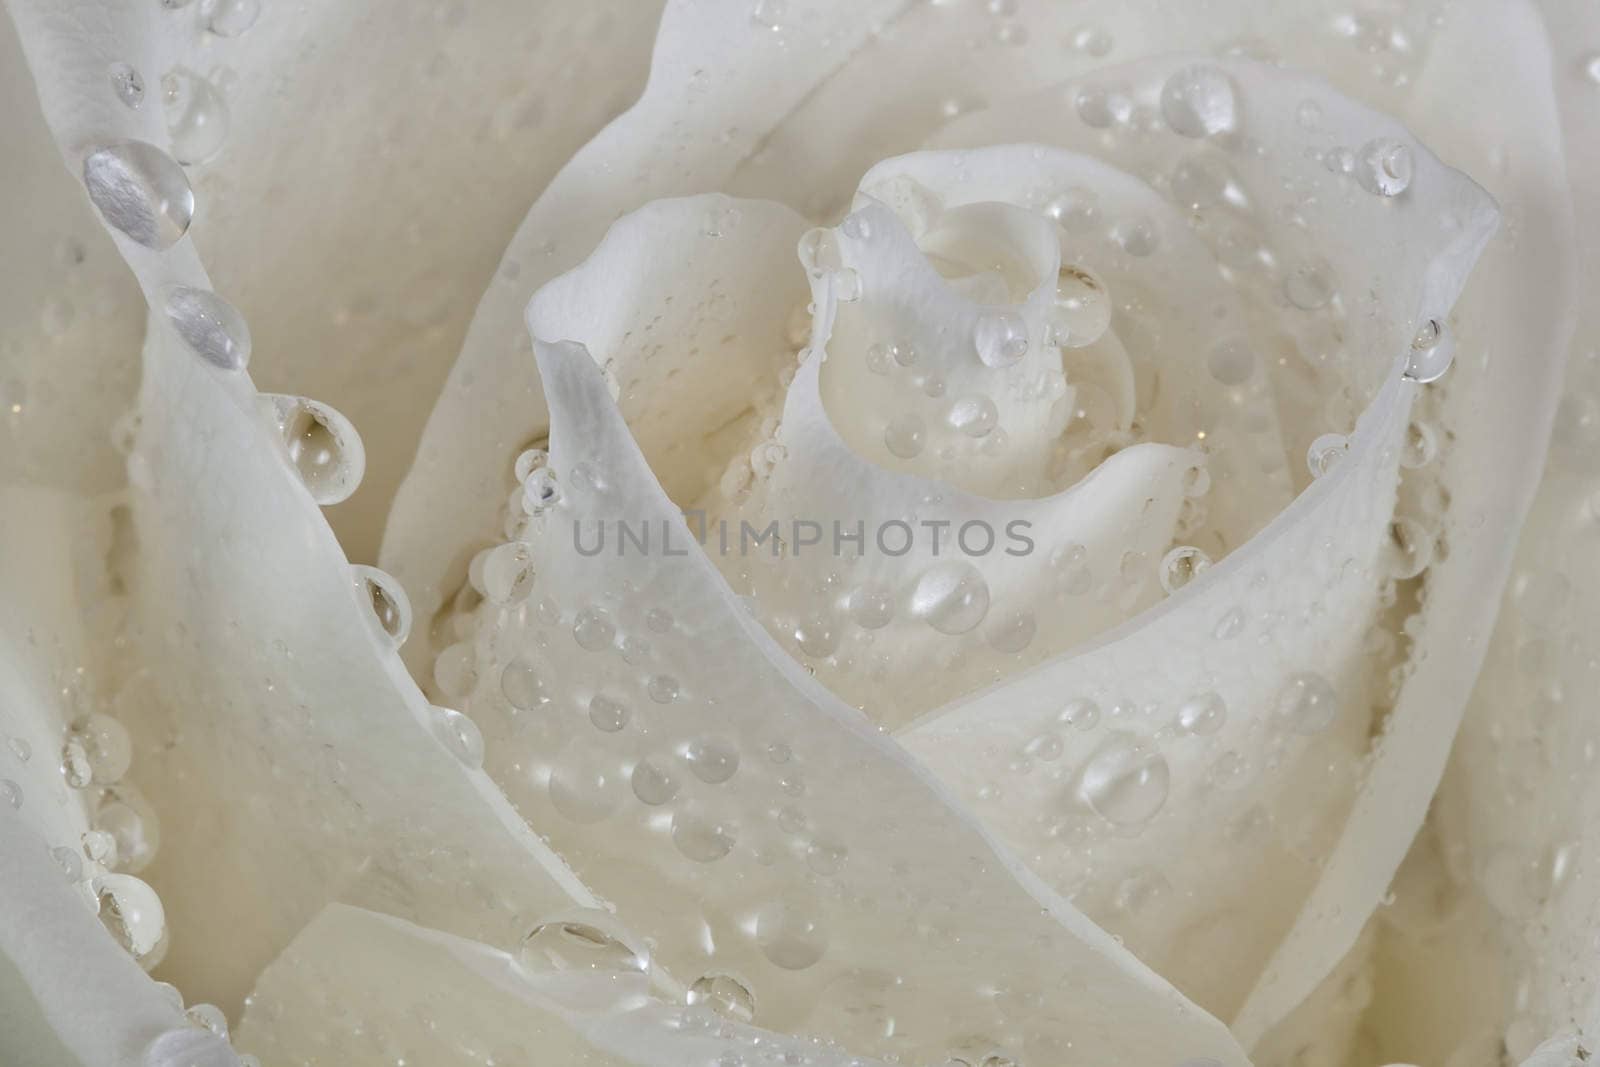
[508,573]
[541,491]
[585,784]
[1100,107]
[128,817]
[1080,714]
[189,1046]
[712,759]
[1231,361]
[952,597]
[1092,40]
[522,686]
[1137,237]
[1181,566]
[197,117]
[593,630]
[1591,68]
[128,84]
[141,192]
[1203,714]
[1421,445]
[973,415]
[455,670]
[208,1017]
[606,714]
[389,605]
[658,620]
[21,749]
[1309,285]
[1432,352]
[1385,167]
[1411,549]
[653,783]
[323,445]
[10,794]
[871,606]
[1199,101]
[816,636]
[231,18]
[1125,781]
[903,437]
[1081,311]
[132,912]
[211,327]
[75,767]
[769,14]
[791,935]
[459,734]
[1308,703]
[100,846]
[105,745]
[584,962]
[662,688]
[1001,338]
[1013,631]
[702,834]
[724,995]
[1325,453]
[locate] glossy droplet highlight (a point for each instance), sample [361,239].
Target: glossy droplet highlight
[323,445]
[871,606]
[1181,566]
[106,746]
[141,192]
[211,327]
[1385,167]
[1080,313]
[389,607]
[132,911]
[189,1046]
[1325,453]
[1203,714]
[1001,338]
[584,962]
[724,995]
[197,116]
[702,834]
[1307,703]
[1432,351]
[973,416]
[1125,781]
[951,597]
[459,734]
[791,935]
[1199,101]
[521,685]
[231,18]
[904,436]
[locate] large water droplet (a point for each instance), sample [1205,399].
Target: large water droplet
[1081,311]
[1001,338]
[140,191]
[459,734]
[712,759]
[871,606]
[1325,453]
[791,934]
[952,597]
[1199,101]
[211,327]
[1125,781]
[973,415]
[390,607]
[701,833]
[904,435]
[197,116]
[189,1046]
[652,782]
[1203,714]
[129,819]
[1432,351]
[1385,167]
[106,746]
[583,961]
[132,911]
[724,995]
[522,686]
[323,445]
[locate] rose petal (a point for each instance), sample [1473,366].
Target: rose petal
[748,823]
[1201,908]
[349,990]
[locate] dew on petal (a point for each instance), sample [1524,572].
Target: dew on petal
[1199,101]
[1307,703]
[211,327]
[586,963]
[141,192]
[323,445]
[1125,781]
[459,734]
[952,597]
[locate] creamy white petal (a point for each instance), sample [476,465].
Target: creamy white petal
[359,988]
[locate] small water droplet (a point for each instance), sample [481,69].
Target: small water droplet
[593,630]
[1125,781]
[652,782]
[323,445]
[1231,361]
[973,415]
[904,436]
[508,573]
[816,636]
[10,794]
[189,1046]
[128,817]
[1181,566]
[128,84]
[231,18]
[701,834]
[1308,703]
[211,327]
[662,688]
[1198,101]
[1309,285]
[1012,632]
[1421,445]
[1081,311]
[1411,548]
[459,734]
[712,759]
[1080,714]
[140,191]
[1385,167]
[1432,351]
[197,116]
[1001,338]
[871,606]
[541,491]
[106,746]
[521,685]
[791,935]
[390,607]
[1325,453]
[1203,714]
[952,597]
[21,749]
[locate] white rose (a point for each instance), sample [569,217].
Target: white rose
[1227,397]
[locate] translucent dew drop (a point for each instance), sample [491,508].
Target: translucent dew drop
[141,192]
[1125,781]
[208,1017]
[871,606]
[973,416]
[521,685]
[508,573]
[1432,351]
[323,445]
[817,636]
[1309,285]
[1307,703]
[541,491]
[1385,166]
[132,911]
[593,630]
[10,794]
[211,327]
[703,834]
[1199,101]
[904,435]
[1012,632]
[584,962]
[1181,566]
[106,746]
[791,934]
[1203,714]
[128,84]
[1325,453]
[1001,338]
[528,461]
[1421,445]
[1410,548]
[1231,361]
[607,715]
[1080,313]
[75,768]
[585,785]
[197,116]
[389,606]
[712,759]
[189,1046]
[1080,714]
[459,734]
[662,688]
[231,18]
[652,782]
[952,597]
[724,995]
[131,822]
